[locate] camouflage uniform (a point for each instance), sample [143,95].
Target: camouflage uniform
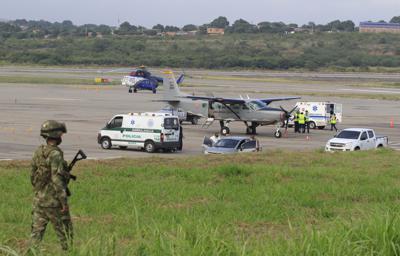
[49,178]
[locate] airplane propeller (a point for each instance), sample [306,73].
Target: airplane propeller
[287,115]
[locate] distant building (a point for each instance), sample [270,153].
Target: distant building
[170,33]
[215,31]
[379,27]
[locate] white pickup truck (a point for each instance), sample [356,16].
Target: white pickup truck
[352,139]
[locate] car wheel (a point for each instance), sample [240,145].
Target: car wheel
[154,90]
[278,134]
[312,125]
[149,147]
[224,130]
[105,143]
[356,149]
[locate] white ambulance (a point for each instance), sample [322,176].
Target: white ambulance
[320,113]
[148,131]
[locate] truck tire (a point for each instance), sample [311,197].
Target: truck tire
[149,146]
[105,143]
[312,125]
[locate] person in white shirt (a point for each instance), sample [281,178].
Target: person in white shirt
[215,138]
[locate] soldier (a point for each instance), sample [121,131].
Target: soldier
[49,178]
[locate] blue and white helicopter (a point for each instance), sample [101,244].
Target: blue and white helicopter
[141,79]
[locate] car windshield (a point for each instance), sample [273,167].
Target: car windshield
[256,105]
[226,143]
[171,123]
[348,135]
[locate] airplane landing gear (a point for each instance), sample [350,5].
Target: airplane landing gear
[224,128]
[278,134]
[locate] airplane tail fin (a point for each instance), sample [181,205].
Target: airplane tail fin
[171,88]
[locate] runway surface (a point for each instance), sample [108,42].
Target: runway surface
[86,109]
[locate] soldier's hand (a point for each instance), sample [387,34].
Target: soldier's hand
[64,209]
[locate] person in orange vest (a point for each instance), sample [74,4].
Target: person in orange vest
[333,121]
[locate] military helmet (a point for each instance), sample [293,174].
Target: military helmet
[52,129]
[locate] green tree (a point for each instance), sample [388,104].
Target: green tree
[242,26]
[189,27]
[395,19]
[220,22]
[159,27]
[171,29]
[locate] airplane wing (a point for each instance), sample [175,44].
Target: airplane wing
[269,100]
[217,99]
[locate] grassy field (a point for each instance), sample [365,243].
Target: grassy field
[271,203]
[51,80]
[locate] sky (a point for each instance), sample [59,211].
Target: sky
[181,12]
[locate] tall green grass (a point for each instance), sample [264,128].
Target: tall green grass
[272,203]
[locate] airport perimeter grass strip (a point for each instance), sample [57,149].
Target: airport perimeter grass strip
[51,80]
[269,203]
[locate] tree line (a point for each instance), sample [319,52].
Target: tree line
[22,29]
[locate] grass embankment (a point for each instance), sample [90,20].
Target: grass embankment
[52,80]
[273,203]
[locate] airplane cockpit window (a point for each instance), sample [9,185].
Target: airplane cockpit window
[256,105]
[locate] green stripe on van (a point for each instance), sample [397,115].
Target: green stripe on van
[132,130]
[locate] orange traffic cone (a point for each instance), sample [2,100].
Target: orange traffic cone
[391,123]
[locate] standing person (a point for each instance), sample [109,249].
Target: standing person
[180,147]
[215,138]
[302,122]
[333,121]
[296,121]
[49,178]
[307,117]
[253,137]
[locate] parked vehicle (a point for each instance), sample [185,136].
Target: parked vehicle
[230,144]
[352,139]
[148,131]
[320,113]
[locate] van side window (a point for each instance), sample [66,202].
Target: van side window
[116,122]
[370,134]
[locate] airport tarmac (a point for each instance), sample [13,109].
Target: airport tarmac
[86,109]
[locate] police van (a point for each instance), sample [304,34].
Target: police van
[148,131]
[320,112]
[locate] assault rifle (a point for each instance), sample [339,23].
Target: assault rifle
[80,155]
